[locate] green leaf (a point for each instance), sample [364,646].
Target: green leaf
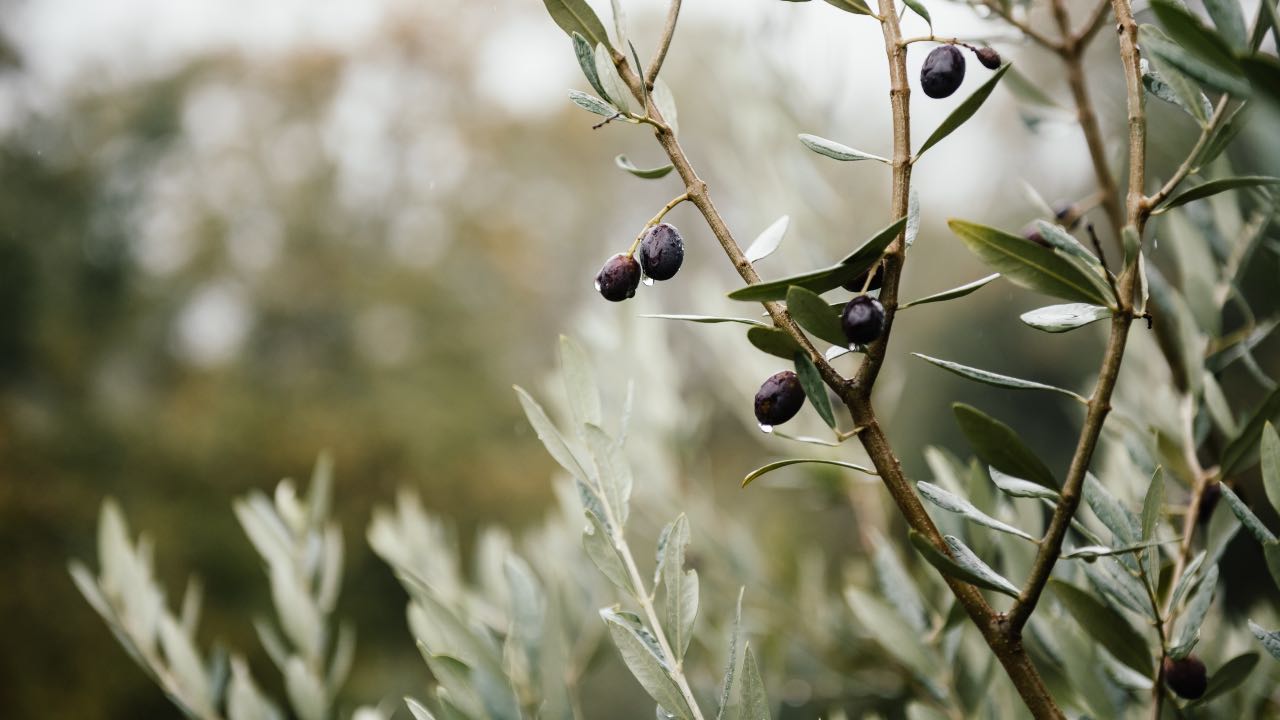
[649,174]
[1246,516]
[857,7]
[1017,487]
[783,463]
[889,630]
[953,293]
[1169,84]
[1093,552]
[726,691]
[956,504]
[1151,507]
[1227,16]
[587,61]
[1192,618]
[1105,625]
[681,589]
[1270,456]
[913,218]
[828,278]
[418,710]
[1063,318]
[962,564]
[1028,264]
[814,389]
[613,471]
[920,10]
[1189,32]
[997,444]
[593,104]
[576,16]
[1238,455]
[579,383]
[1187,581]
[1057,236]
[549,435]
[773,341]
[897,586]
[710,319]
[755,703]
[615,90]
[1159,47]
[1213,187]
[1114,581]
[990,378]
[835,150]
[964,110]
[815,315]
[768,240]
[1230,676]
[1122,523]
[603,554]
[641,653]
[1270,639]
[1271,551]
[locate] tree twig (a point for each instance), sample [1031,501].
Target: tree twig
[1219,112]
[1044,40]
[664,44]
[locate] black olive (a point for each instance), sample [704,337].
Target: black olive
[1185,677]
[779,399]
[661,251]
[943,71]
[862,320]
[619,278]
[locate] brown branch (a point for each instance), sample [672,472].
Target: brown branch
[1186,168]
[1097,18]
[1100,402]
[1044,40]
[664,44]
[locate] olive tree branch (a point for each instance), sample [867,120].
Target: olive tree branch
[1044,40]
[1100,401]
[664,44]
[1187,167]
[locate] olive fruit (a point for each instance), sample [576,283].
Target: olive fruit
[943,71]
[1208,501]
[1068,215]
[619,278]
[862,320]
[1185,677]
[877,280]
[989,58]
[779,399]
[661,251]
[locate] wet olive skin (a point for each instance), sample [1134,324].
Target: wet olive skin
[862,320]
[943,71]
[779,399]
[661,252]
[619,278]
[1186,677]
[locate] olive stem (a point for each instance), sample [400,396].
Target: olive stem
[942,40]
[654,221]
[1151,203]
[664,44]
[1044,40]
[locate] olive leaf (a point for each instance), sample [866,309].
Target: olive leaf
[887,627]
[1104,625]
[1191,34]
[1269,453]
[795,461]
[1213,187]
[576,16]
[1169,84]
[835,150]
[814,389]
[1228,677]
[1226,15]
[919,9]
[962,564]
[1028,264]
[1193,617]
[953,293]
[773,341]
[648,174]
[593,104]
[815,315]
[1017,487]
[754,702]
[1246,517]
[587,61]
[1159,46]
[768,240]
[641,653]
[996,379]
[709,319]
[1239,453]
[998,445]
[954,503]
[681,588]
[615,90]
[1270,639]
[726,691]
[828,278]
[964,110]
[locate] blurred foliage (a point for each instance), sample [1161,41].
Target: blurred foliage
[212,269]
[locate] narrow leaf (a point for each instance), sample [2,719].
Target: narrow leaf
[643,658]
[1027,264]
[709,319]
[996,379]
[815,315]
[997,444]
[814,389]
[1105,625]
[1213,187]
[1270,456]
[615,90]
[591,103]
[1062,318]
[897,586]
[1017,487]
[768,240]
[784,463]
[726,691]
[1057,236]
[649,174]
[1227,16]
[954,503]
[549,435]
[964,110]
[579,383]
[1161,48]
[965,566]
[1122,523]
[1246,516]
[576,16]
[1270,639]
[773,341]
[1239,454]
[1092,552]
[1197,607]
[1230,676]
[681,589]
[919,9]
[835,150]
[953,293]
[755,703]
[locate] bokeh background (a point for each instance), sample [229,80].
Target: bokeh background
[234,234]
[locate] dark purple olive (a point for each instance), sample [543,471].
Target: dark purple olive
[1068,215]
[779,399]
[619,278]
[1185,677]
[877,280]
[661,251]
[989,58]
[943,71]
[862,320]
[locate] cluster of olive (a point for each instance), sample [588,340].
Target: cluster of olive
[862,320]
[661,253]
[943,69]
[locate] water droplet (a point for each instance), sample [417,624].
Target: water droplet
[648,281]
[1155,243]
[766,428]
[597,285]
